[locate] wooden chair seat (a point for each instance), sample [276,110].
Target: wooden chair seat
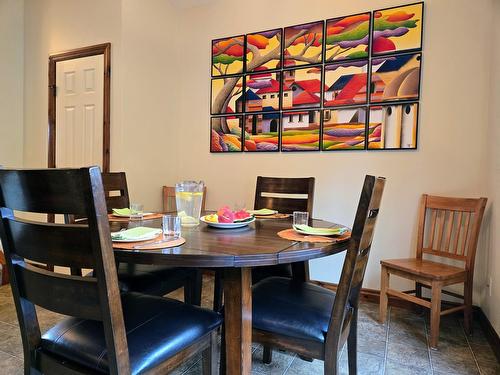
[426,269]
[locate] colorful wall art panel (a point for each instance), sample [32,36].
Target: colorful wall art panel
[300,130]
[397,29]
[227,95]
[302,88]
[395,77]
[346,83]
[226,133]
[262,92]
[344,129]
[263,50]
[228,55]
[303,44]
[347,38]
[393,126]
[262,132]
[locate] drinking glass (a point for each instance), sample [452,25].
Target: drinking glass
[171,226]
[300,218]
[136,211]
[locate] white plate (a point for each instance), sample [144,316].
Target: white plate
[311,233]
[238,224]
[256,213]
[144,238]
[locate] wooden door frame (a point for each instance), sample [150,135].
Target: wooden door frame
[99,49]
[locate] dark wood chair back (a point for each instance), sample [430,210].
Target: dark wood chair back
[285,194]
[116,190]
[356,259]
[449,227]
[76,192]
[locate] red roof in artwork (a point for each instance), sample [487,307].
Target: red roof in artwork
[353,87]
[260,75]
[305,97]
[311,85]
[274,87]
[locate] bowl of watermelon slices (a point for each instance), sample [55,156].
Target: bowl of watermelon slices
[226,218]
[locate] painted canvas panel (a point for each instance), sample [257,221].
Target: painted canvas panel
[397,29]
[346,83]
[225,133]
[263,50]
[262,132]
[395,78]
[303,44]
[348,37]
[393,126]
[262,92]
[228,55]
[301,88]
[300,130]
[227,95]
[344,129]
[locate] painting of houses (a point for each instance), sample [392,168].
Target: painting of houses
[346,83]
[262,132]
[267,87]
[306,43]
[304,85]
[249,101]
[263,43]
[393,126]
[300,130]
[344,129]
[347,38]
[228,55]
[396,78]
[397,29]
[226,140]
[232,97]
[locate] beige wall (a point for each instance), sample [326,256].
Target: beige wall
[11,79]
[160,107]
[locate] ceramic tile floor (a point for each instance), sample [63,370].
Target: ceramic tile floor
[399,347]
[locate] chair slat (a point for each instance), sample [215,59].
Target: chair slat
[55,244]
[432,228]
[289,186]
[465,233]
[457,234]
[454,204]
[449,230]
[440,227]
[58,292]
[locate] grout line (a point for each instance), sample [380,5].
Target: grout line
[9,354]
[470,347]
[428,346]
[387,339]
[290,364]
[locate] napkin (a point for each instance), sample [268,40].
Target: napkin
[121,211]
[262,211]
[321,231]
[135,234]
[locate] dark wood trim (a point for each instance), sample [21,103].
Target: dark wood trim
[488,330]
[100,49]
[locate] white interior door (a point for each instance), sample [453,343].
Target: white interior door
[79,112]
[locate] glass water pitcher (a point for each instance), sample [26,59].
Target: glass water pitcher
[188,198]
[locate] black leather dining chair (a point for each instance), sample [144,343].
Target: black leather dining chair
[157,280]
[106,331]
[311,320]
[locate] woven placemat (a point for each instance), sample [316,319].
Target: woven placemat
[150,244]
[119,219]
[273,216]
[290,234]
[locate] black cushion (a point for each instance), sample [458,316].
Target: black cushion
[291,308]
[152,279]
[157,328]
[260,273]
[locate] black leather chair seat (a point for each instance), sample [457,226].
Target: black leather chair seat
[260,273]
[152,279]
[157,328]
[291,308]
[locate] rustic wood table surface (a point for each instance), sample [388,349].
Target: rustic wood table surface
[237,251]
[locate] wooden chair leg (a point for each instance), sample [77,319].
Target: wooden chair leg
[222,366]
[435,314]
[352,344]
[218,291]
[384,285]
[331,362]
[192,289]
[267,357]
[468,307]
[209,356]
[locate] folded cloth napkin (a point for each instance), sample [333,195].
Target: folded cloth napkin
[136,234]
[262,211]
[122,211]
[337,231]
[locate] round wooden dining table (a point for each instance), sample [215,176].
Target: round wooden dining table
[237,251]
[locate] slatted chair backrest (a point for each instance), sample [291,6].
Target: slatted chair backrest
[356,259]
[76,192]
[116,190]
[449,227]
[285,194]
